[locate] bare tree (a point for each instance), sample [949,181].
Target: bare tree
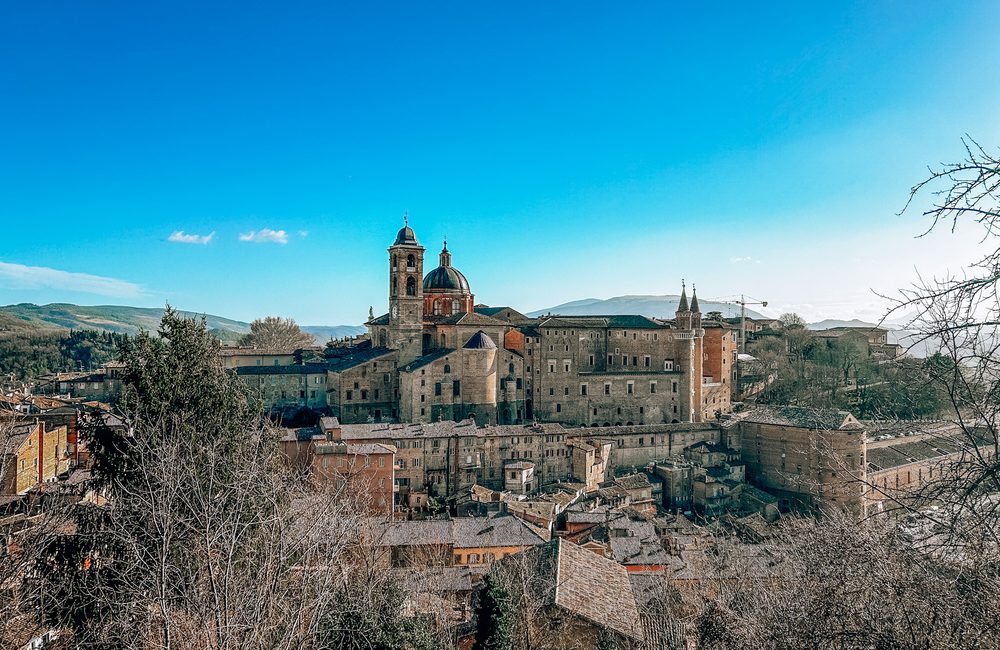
[276,333]
[206,538]
[792,319]
[838,583]
[958,319]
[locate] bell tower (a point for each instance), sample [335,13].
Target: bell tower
[406,294]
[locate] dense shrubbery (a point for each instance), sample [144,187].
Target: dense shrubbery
[29,355]
[840,374]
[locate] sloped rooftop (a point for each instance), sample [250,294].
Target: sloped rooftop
[803,417]
[586,585]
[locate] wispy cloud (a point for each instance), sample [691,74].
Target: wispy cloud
[182,237]
[19,276]
[743,260]
[303,234]
[265,235]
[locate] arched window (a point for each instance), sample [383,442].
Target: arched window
[455,307]
[395,290]
[394,262]
[444,340]
[510,368]
[411,261]
[447,368]
[436,307]
[411,286]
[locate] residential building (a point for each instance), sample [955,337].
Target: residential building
[31,454]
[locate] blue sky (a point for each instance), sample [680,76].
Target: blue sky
[567,150]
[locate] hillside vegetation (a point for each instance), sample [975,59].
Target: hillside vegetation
[30,318]
[28,354]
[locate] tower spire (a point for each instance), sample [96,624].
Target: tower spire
[445,254]
[694,299]
[683,305]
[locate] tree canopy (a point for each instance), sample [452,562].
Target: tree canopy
[276,333]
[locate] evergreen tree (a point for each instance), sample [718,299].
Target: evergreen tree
[193,488]
[495,617]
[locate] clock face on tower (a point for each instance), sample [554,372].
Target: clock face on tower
[395,311]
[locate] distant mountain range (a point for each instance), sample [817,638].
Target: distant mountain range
[830,323]
[653,306]
[27,317]
[666,306]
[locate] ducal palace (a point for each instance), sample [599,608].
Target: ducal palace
[438,355]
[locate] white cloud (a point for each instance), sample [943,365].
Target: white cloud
[19,276]
[265,235]
[743,260]
[303,234]
[182,237]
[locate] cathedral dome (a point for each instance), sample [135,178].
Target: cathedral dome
[446,278]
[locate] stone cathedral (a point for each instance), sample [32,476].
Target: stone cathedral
[438,355]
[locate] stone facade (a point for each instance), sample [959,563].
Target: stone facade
[439,357]
[807,456]
[282,386]
[32,454]
[445,458]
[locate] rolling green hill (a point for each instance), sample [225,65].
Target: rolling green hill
[27,318]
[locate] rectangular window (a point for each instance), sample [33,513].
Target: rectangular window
[456,388]
[591,359]
[673,387]
[552,366]
[635,361]
[364,394]
[566,390]
[583,389]
[630,387]
[647,361]
[437,388]
[607,388]
[652,387]
[611,360]
[558,408]
[349,395]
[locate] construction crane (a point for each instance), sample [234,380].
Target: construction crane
[741,347]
